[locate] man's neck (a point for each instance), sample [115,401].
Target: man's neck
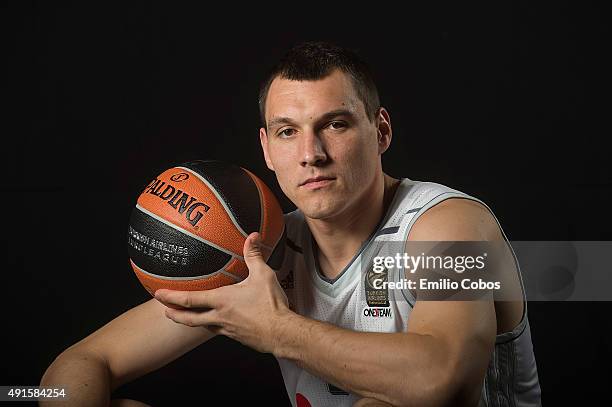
[339,239]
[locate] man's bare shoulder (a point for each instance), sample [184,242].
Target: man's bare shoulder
[456,219]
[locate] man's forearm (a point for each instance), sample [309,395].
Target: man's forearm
[393,367]
[85,376]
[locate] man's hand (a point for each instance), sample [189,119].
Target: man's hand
[249,312]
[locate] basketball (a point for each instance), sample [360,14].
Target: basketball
[190,223]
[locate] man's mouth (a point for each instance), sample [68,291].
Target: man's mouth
[317,182]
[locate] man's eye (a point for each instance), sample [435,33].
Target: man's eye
[285,133]
[337,125]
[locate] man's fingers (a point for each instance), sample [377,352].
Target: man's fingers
[194,318]
[252,251]
[188,299]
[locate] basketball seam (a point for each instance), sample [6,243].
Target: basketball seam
[261,223]
[280,236]
[261,200]
[220,271]
[218,196]
[188,233]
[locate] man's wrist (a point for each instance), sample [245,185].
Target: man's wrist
[286,334]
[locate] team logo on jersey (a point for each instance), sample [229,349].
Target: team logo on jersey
[287,282]
[376,297]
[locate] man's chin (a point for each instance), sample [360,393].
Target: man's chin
[319,212]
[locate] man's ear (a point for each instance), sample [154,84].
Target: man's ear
[385,133]
[263,139]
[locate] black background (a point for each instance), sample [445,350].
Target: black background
[509,104]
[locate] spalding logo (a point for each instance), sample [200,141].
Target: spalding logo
[181,176]
[178,199]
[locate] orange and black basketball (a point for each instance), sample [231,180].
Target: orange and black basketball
[189,226]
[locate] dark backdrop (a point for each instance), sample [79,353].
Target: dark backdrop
[509,104]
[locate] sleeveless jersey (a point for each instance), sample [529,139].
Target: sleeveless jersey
[511,378]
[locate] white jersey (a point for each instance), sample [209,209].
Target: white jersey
[511,379]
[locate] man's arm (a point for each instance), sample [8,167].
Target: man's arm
[442,358]
[428,366]
[135,343]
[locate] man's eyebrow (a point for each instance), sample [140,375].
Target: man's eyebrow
[276,121]
[335,113]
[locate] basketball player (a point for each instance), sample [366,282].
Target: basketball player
[323,134]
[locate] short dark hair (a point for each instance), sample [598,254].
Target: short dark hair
[309,61]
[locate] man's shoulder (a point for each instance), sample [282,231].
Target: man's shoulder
[442,212]
[425,189]
[413,198]
[454,218]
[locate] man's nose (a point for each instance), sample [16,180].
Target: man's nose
[313,150]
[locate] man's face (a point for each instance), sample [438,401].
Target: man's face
[321,144]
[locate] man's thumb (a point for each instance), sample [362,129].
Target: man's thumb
[252,250]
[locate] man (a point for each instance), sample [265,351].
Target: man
[323,135]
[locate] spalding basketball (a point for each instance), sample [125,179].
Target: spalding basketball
[190,223]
